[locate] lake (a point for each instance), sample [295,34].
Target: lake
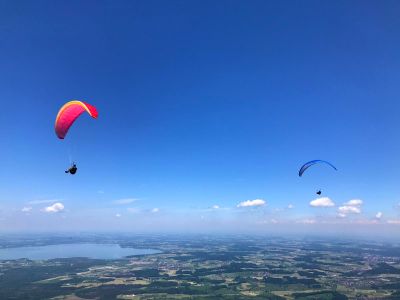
[95,251]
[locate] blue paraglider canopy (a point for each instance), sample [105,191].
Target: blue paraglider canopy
[313,162]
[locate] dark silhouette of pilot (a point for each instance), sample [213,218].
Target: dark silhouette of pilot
[72,170]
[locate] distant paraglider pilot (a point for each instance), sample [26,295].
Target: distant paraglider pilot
[72,170]
[319,193]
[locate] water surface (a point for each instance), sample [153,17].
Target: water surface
[95,251]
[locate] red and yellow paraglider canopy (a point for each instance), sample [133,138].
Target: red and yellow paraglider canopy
[69,113]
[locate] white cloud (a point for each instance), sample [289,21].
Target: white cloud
[350,207]
[249,203]
[215,207]
[290,206]
[322,202]
[397,222]
[56,207]
[346,209]
[379,215]
[26,209]
[118,215]
[125,201]
[354,202]
[155,210]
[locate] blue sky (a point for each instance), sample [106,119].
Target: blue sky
[202,104]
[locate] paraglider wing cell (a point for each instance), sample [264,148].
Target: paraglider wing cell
[69,113]
[311,163]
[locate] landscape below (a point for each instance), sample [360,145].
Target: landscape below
[206,267]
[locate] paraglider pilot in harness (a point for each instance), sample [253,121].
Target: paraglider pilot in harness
[67,115]
[72,170]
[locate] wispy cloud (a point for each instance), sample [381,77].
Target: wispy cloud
[346,209]
[34,202]
[379,215]
[270,221]
[118,215]
[322,202]
[56,207]
[283,209]
[26,209]
[155,210]
[125,201]
[252,203]
[214,208]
